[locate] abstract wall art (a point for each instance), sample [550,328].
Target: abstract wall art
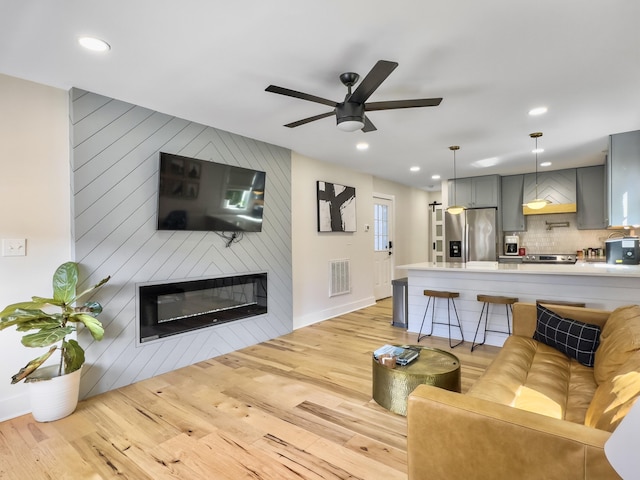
[336,207]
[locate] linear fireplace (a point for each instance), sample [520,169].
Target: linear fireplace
[166,309]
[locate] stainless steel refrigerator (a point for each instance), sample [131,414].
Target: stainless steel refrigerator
[471,236]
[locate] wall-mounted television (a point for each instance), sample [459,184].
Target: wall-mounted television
[208,196]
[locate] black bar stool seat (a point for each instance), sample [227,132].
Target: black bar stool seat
[449,296]
[486,301]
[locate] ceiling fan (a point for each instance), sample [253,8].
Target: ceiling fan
[350,113]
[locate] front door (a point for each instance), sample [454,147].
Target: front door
[382,245]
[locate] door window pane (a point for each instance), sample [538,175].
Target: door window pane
[380,227]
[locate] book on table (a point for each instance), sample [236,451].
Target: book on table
[403,355]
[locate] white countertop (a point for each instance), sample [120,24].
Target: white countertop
[579,268]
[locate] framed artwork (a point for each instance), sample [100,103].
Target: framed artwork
[193,170]
[336,207]
[191,190]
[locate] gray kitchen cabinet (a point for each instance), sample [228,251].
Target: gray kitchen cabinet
[590,192]
[513,219]
[475,192]
[460,192]
[623,179]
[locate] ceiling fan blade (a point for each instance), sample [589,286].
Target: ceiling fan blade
[300,95]
[394,104]
[310,119]
[368,125]
[372,81]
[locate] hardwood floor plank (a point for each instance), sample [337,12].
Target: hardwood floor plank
[294,407]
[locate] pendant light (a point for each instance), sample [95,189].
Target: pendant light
[537,203]
[455,209]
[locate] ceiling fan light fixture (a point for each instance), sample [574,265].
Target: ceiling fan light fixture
[350,125]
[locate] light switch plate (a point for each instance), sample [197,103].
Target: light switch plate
[14,247]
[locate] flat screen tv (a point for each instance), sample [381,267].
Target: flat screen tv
[208,196]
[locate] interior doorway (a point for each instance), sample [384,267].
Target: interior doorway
[437,232]
[383,226]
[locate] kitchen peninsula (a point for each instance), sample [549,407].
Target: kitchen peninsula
[599,285]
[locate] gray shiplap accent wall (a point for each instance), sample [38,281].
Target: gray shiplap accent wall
[115,158]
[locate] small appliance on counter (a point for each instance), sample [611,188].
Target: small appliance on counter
[622,251]
[511,245]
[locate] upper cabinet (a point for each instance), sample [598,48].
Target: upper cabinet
[558,186]
[623,173]
[475,192]
[513,219]
[590,190]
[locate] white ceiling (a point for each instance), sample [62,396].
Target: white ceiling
[210,60]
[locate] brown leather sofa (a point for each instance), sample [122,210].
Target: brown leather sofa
[535,413]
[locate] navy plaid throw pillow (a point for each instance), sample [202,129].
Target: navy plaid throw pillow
[576,339]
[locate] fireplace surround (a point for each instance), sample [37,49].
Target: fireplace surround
[174,307]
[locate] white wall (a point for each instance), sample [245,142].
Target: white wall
[34,204]
[312,250]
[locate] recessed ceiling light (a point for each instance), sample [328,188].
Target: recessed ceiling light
[538,111]
[415,169]
[362,146]
[435,177]
[537,150]
[545,164]
[94,44]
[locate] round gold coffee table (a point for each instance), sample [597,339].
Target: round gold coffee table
[392,386]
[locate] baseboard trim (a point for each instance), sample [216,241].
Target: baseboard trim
[319,316]
[13,407]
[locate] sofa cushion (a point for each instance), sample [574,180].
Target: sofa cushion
[619,339]
[576,339]
[532,376]
[615,397]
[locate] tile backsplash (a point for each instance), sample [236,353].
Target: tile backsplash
[538,239]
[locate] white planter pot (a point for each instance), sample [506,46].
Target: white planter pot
[55,398]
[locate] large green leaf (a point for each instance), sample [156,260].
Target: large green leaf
[18,317]
[73,356]
[65,280]
[28,306]
[47,301]
[38,323]
[93,324]
[32,365]
[46,336]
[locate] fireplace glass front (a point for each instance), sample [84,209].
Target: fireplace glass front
[171,308]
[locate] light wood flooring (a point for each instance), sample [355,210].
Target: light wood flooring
[296,407]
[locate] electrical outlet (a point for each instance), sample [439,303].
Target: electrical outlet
[14,247]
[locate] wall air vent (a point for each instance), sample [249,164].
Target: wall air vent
[339,277]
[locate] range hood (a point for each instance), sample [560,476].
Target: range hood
[558,187]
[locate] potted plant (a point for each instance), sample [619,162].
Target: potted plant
[54,388]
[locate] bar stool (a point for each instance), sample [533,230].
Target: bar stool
[487,300]
[433,295]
